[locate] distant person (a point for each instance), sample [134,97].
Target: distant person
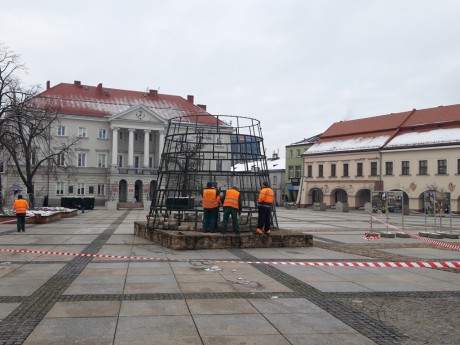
[210,208]
[232,206]
[264,207]
[219,195]
[21,206]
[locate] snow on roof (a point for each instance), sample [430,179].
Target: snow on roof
[276,164]
[353,144]
[436,136]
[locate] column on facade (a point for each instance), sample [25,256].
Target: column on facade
[161,139]
[115,146]
[146,147]
[131,148]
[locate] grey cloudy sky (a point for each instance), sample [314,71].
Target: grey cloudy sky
[296,65]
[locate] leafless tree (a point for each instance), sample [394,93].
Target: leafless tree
[28,123]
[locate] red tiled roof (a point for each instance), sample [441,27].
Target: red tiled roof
[417,120]
[78,99]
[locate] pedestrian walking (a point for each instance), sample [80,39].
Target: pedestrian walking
[21,206]
[210,208]
[232,206]
[264,207]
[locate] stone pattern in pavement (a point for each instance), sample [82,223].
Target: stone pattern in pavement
[182,300]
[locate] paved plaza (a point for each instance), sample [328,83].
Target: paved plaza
[214,297]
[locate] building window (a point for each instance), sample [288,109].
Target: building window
[102,160]
[102,133]
[150,162]
[373,168]
[2,167]
[291,171]
[81,160]
[320,170]
[82,132]
[101,189]
[91,190]
[298,152]
[61,131]
[60,161]
[120,135]
[405,168]
[458,166]
[70,189]
[345,169]
[333,170]
[81,189]
[297,171]
[275,180]
[136,161]
[136,137]
[290,153]
[219,164]
[120,161]
[388,168]
[359,169]
[442,166]
[59,188]
[150,136]
[423,167]
[309,171]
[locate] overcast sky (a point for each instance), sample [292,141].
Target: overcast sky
[296,65]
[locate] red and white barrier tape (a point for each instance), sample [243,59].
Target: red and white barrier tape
[369,237]
[426,239]
[415,264]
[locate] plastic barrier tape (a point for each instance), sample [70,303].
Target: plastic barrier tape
[415,264]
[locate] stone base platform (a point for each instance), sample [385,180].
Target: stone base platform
[184,240]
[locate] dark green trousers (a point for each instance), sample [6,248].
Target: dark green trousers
[209,219]
[21,221]
[230,211]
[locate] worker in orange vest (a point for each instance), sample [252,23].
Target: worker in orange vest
[210,208]
[232,205]
[264,207]
[20,206]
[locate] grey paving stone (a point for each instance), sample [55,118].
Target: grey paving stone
[220,306]
[234,324]
[86,309]
[285,306]
[153,308]
[156,330]
[246,340]
[66,331]
[304,323]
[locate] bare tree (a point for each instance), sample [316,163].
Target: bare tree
[186,158]
[27,125]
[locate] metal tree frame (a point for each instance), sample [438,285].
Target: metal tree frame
[198,149]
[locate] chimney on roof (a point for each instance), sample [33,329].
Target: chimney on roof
[99,88]
[48,85]
[77,83]
[202,106]
[153,93]
[190,98]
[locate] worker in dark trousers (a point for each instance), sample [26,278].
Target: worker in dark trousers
[20,206]
[264,207]
[232,206]
[210,208]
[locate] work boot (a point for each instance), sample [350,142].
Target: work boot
[267,232]
[259,231]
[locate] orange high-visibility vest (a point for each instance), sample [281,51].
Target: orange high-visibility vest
[266,196]
[20,206]
[231,198]
[210,198]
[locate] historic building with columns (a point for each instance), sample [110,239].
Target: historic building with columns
[121,136]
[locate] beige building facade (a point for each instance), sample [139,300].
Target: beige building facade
[413,152]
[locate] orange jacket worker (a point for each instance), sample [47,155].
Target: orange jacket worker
[20,206]
[265,204]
